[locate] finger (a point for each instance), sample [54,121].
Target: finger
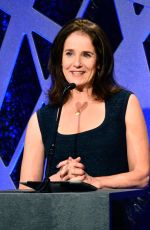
[78,165]
[74,159]
[74,164]
[77,178]
[62,163]
[63,171]
[76,172]
[78,159]
[70,158]
[65,178]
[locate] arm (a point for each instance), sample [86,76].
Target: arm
[137,152]
[33,156]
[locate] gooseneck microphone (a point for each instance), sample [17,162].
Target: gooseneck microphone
[51,152]
[67,88]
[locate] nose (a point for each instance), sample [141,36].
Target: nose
[77,62]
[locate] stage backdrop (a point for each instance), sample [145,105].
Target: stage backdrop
[27,30]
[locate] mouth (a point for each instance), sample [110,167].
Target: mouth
[77,73]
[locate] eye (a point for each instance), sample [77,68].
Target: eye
[87,54]
[69,53]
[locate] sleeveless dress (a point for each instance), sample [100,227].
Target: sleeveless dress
[103,150]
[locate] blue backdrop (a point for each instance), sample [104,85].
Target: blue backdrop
[27,29]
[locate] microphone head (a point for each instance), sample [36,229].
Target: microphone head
[72,86]
[68,87]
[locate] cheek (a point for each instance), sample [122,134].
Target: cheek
[92,71]
[92,67]
[65,64]
[91,64]
[65,68]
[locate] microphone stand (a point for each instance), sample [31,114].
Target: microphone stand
[45,185]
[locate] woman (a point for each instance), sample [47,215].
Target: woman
[102,138]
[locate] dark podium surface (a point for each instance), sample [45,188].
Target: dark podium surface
[97,210]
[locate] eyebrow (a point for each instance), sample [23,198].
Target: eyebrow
[90,52]
[68,50]
[84,51]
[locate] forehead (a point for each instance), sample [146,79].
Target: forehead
[78,39]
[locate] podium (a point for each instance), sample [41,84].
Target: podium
[111,209]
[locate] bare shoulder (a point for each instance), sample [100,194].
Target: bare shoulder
[33,147]
[33,129]
[135,121]
[133,101]
[134,110]
[33,122]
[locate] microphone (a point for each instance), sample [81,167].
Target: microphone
[67,88]
[51,153]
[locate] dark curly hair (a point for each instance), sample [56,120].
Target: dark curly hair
[104,84]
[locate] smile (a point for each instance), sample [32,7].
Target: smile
[76,73]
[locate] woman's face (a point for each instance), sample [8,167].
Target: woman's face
[79,59]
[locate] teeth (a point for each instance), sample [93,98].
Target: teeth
[77,73]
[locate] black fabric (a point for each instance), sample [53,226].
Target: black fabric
[103,150]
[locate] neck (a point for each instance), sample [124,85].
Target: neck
[81,95]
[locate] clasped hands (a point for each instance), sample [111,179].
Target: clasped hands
[72,170]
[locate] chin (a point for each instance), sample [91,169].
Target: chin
[82,86]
